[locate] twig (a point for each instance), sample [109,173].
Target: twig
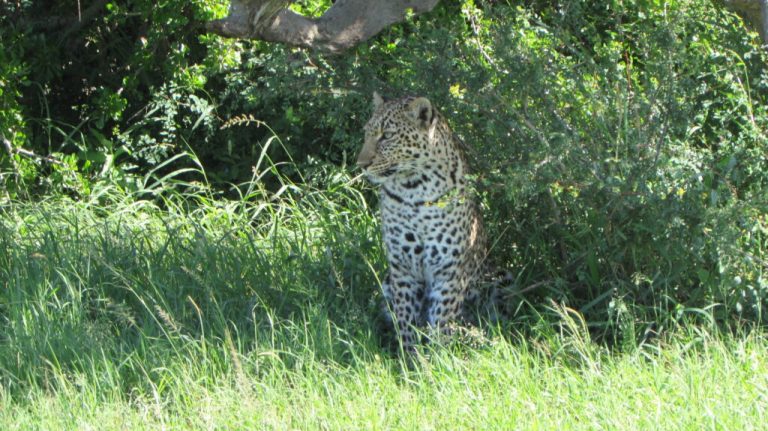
[6,144]
[27,153]
[9,148]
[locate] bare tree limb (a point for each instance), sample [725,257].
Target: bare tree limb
[26,153]
[9,149]
[345,24]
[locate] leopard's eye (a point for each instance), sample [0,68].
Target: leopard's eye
[387,135]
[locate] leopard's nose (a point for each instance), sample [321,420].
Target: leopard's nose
[364,160]
[367,154]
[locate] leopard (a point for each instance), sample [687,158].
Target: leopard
[431,224]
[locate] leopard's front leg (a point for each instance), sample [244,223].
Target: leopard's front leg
[446,298]
[404,296]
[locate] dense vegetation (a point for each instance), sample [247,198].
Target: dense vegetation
[179,226]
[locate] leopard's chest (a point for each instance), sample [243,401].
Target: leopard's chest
[421,236]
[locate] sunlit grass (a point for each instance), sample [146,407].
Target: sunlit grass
[260,315]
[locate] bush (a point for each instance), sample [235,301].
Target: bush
[633,179]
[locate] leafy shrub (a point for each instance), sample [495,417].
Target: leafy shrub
[620,146]
[14,172]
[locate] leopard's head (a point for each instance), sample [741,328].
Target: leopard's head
[399,138]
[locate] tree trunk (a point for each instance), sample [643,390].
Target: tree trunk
[754,12]
[764,22]
[345,24]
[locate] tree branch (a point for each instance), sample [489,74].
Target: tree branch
[21,151]
[344,25]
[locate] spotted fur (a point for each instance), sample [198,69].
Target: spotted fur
[431,225]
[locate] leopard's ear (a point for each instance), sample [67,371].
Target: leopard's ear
[421,111]
[377,100]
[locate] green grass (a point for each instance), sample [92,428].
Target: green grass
[718,385]
[260,314]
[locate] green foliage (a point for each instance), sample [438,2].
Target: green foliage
[624,182]
[256,314]
[113,78]
[14,171]
[620,146]
[167,262]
